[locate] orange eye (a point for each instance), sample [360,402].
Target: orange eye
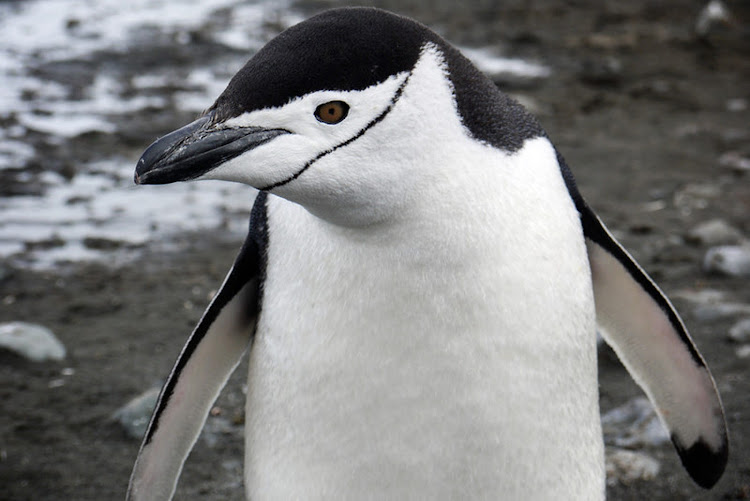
[332,113]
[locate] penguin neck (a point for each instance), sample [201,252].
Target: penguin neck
[473,198]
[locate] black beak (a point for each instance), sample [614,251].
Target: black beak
[195,149]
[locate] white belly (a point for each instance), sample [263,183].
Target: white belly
[459,367]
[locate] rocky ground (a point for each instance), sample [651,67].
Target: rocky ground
[650,114]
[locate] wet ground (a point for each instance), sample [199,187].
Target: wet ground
[648,114]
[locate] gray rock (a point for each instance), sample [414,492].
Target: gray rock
[532,104]
[216,428]
[713,15]
[743,351]
[734,161]
[633,425]
[624,467]
[718,311]
[711,304]
[701,296]
[135,415]
[714,232]
[740,332]
[694,196]
[731,260]
[605,71]
[34,342]
[233,474]
[5,271]
[736,105]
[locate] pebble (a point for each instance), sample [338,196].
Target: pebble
[33,342]
[5,272]
[701,296]
[218,428]
[234,473]
[606,71]
[610,42]
[100,243]
[714,232]
[135,415]
[743,351]
[734,161]
[740,332]
[625,467]
[56,383]
[736,104]
[532,104]
[731,260]
[633,425]
[718,311]
[714,14]
[694,196]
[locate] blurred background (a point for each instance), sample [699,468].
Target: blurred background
[102,281]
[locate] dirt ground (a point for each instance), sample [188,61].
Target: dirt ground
[638,105]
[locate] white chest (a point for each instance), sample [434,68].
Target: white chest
[435,357]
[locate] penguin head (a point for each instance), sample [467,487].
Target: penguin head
[346,114]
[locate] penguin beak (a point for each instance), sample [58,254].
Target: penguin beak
[195,149]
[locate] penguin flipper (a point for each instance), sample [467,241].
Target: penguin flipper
[207,360]
[641,325]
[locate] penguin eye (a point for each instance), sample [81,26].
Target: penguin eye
[332,112]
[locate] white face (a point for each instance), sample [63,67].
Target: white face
[360,170]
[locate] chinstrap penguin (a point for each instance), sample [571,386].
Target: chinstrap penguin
[419,289]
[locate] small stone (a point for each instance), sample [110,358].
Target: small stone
[5,272]
[238,419]
[34,342]
[217,428]
[740,332]
[234,466]
[701,296]
[611,41]
[743,351]
[136,414]
[634,424]
[694,196]
[625,466]
[713,14]
[532,104]
[103,244]
[56,383]
[714,232]
[736,104]
[606,71]
[653,206]
[733,160]
[730,260]
[718,311]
